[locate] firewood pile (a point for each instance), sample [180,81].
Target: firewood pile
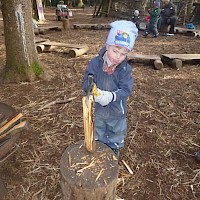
[11,125]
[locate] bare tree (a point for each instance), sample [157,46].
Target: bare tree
[22,63]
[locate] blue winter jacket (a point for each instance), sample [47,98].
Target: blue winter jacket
[120,82]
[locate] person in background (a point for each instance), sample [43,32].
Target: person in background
[152,26]
[113,78]
[168,16]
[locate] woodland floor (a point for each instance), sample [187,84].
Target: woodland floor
[163,119]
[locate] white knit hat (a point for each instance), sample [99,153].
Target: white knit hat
[122,33]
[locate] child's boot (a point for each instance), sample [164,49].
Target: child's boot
[117,153]
[145,33]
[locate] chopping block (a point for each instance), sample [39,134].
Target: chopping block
[86,175]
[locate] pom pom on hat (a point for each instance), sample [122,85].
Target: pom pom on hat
[122,33]
[156,4]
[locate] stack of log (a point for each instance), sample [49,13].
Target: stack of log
[74,50]
[10,128]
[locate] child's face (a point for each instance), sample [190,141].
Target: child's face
[116,54]
[165,2]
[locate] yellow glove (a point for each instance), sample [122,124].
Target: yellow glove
[95,91]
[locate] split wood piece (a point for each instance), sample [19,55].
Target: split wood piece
[6,119]
[15,129]
[88,123]
[176,60]
[10,124]
[192,32]
[156,60]
[88,176]
[91,26]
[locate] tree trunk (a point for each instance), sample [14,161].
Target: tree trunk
[40,10]
[105,8]
[22,62]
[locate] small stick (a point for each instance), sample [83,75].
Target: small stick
[58,102]
[100,173]
[86,167]
[128,168]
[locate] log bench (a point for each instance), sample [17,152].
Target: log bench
[92,26]
[74,50]
[45,29]
[190,32]
[153,59]
[176,60]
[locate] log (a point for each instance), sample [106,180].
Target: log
[86,175]
[174,63]
[44,48]
[177,63]
[78,52]
[153,59]
[158,64]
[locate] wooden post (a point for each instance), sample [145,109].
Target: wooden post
[66,24]
[86,175]
[158,64]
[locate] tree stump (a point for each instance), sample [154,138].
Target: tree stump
[66,24]
[86,175]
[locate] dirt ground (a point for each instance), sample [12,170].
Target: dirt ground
[163,119]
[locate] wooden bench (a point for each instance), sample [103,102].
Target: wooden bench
[176,60]
[92,26]
[74,50]
[44,29]
[153,59]
[191,32]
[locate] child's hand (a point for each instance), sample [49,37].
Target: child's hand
[104,98]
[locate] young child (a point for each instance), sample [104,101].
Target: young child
[112,75]
[153,21]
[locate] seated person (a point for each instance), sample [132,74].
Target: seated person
[168,16]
